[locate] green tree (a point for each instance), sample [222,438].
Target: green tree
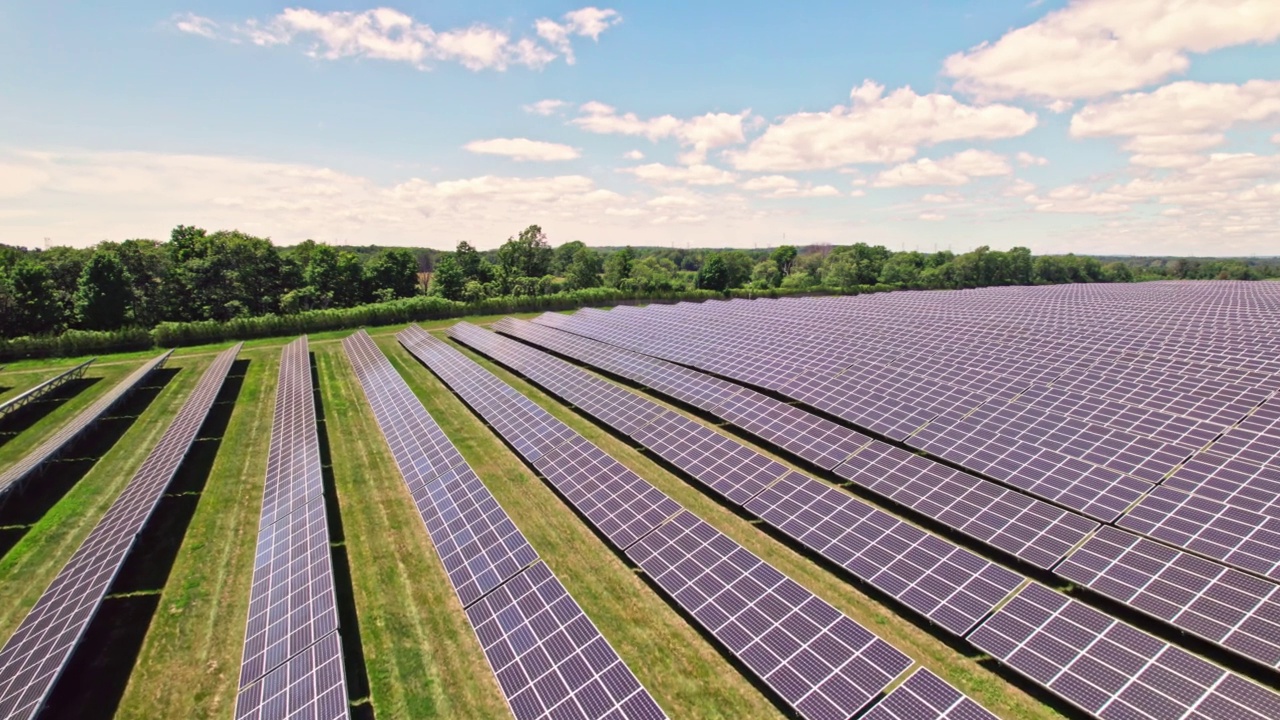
[564,256]
[526,255]
[1117,272]
[448,280]
[714,273]
[766,275]
[739,266]
[652,274]
[903,269]
[472,263]
[584,271]
[782,258]
[103,293]
[36,310]
[617,267]
[395,270]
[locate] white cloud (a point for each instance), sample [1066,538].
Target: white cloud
[1169,160]
[1079,199]
[659,174]
[876,128]
[932,217]
[1026,159]
[938,198]
[1181,108]
[698,134]
[956,169]
[1173,144]
[1095,47]
[388,34]
[1019,188]
[857,193]
[586,22]
[544,107]
[523,149]
[781,186]
[196,25]
[1276,138]
[633,155]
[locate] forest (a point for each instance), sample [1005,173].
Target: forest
[200,277]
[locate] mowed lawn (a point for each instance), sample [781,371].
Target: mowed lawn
[420,657]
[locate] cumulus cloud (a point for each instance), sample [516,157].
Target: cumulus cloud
[544,107]
[523,149]
[586,22]
[1095,47]
[781,186]
[659,174]
[1180,109]
[1026,159]
[388,34]
[876,128]
[698,134]
[633,155]
[196,25]
[932,217]
[1079,199]
[956,169]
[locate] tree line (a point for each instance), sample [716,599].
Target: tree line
[202,279]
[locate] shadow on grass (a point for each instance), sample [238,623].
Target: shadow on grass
[24,417]
[98,670]
[26,505]
[348,620]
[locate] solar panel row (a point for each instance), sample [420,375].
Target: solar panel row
[949,585]
[292,661]
[1111,669]
[817,353]
[1030,529]
[35,655]
[814,658]
[550,660]
[15,475]
[33,394]
[1111,384]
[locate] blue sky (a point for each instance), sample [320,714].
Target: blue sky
[1142,127]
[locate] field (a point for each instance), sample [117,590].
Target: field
[415,654]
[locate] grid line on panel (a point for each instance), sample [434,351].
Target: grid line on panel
[1232,535]
[816,659]
[1109,668]
[1240,612]
[945,583]
[925,696]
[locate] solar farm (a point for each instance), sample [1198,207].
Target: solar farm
[1021,502]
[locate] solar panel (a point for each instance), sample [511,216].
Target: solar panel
[1237,611]
[813,657]
[943,582]
[1256,439]
[1233,535]
[925,696]
[1232,481]
[309,686]
[616,501]
[1110,669]
[722,464]
[549,658]
[292,604]
[480,547]
[1031,530]
[31,395]
[36,653]
[15,475]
